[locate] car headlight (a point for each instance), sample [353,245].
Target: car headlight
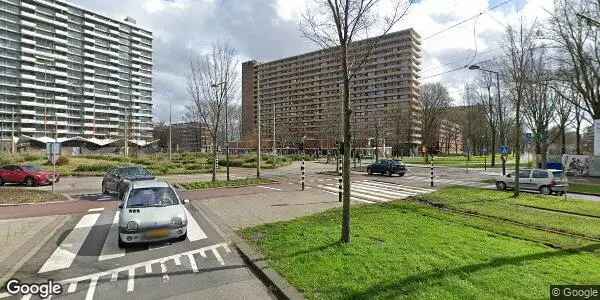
[176,221]
[132,226]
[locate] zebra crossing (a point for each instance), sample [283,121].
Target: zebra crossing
[441,181]
[66,252]
[369,191]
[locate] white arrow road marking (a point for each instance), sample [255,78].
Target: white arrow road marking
[66,252]
[194,232]
[93,278]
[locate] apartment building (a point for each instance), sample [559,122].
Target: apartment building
[300,96]
[72,73]
[185,136]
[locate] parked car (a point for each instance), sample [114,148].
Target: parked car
[151,211]
[29,175]
[546,181]
[116,180]
[388,167]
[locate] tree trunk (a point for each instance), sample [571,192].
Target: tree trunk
[346,158]
[517,150]
[563,139]
[214,169]
[493,146]
[538,153]
[578,138]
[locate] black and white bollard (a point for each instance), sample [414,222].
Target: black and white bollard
[432,171]
[302,170]
[340,188]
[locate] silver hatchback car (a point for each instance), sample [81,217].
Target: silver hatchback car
[151,211]
[546,181]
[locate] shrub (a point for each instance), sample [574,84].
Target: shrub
[98,167]
[61,161]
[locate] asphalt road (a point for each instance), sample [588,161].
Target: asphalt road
[84,257]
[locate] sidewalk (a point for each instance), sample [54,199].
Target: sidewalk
[22,238]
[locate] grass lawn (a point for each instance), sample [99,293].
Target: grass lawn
[460,161]
[16,196]
[584,188]
[201,185]
[408,250]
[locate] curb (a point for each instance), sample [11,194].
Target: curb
[69,199]
[255,261]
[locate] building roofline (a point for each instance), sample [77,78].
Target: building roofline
[403,31]
[65,2]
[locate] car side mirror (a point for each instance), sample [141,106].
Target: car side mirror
[121,206]
[186,201]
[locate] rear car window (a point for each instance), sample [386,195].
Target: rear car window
[557,174]
[152,197]
[134,172]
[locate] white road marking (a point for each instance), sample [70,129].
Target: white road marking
[193,264]
[130,280]
[398,186]
[114,277]
[382,190]
[66,252]
[148,268]
[268,187]
[72,287]
[353,194]
[194,232]
[177,261]
[379,192]
[111,249]
[91,288]
[96,209]
[26,297]
[331,191]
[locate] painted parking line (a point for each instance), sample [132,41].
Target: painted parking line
[268,188]
[66,252]
[111,249]
[194,232]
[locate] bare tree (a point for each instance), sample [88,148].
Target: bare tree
[563,116]
[539,103]
[336,24]
[208,103]
[490,108]
[579,116]
[435,102]
[578,46]
[518,47]
[398,120]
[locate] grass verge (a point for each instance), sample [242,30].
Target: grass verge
[407,250]
[18,196]
[593,189]
[201,185]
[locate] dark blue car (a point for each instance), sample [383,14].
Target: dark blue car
[387,167]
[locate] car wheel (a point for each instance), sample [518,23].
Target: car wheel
[389,173]
[501,186]
[183,237]
[545,190]
[122,244]
[29,181]
[401,174]
[369,171]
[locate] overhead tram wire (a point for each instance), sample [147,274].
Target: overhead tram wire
[467,19]
[454,70]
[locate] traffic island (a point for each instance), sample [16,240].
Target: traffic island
[408,249]
[18,196]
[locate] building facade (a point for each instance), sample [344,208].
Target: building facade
[300,96]
[71,73]
[186,136]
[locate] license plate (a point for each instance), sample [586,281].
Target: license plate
[158,233]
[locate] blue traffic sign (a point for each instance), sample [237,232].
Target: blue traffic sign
[504,149]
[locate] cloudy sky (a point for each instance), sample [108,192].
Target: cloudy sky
[269,29]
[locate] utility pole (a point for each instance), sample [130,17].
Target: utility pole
[258,126]
[170,131]
[226,129]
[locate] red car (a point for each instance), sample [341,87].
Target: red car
[26,174]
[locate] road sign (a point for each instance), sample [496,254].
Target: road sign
[528,137]
[53,150]
[504,150]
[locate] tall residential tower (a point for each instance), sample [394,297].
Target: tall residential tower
[300,96]
[72,73]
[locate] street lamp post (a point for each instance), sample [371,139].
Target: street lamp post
[502,140]
[224,84]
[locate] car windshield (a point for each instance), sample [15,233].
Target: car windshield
[133,172]
[30,168]
[152,197]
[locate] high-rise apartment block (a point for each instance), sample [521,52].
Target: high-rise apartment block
[300,96]
[72,73]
